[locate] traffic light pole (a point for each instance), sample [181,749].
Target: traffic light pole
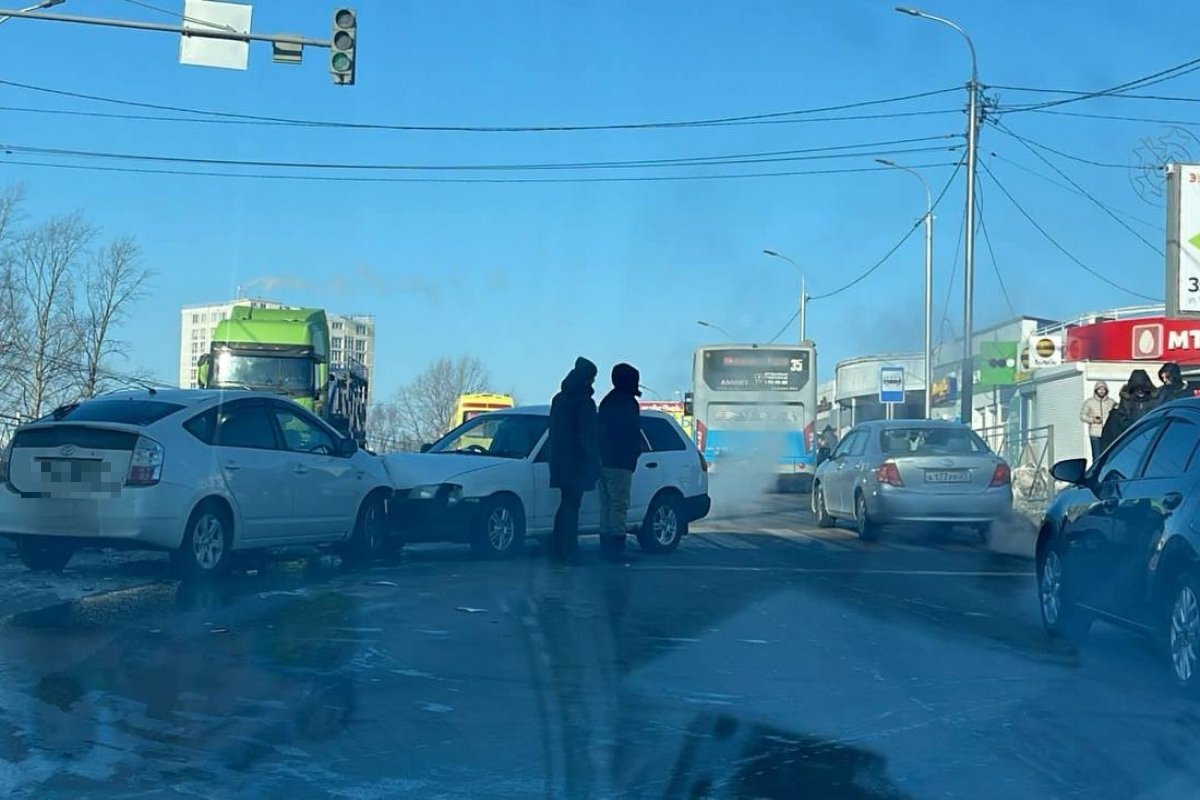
[204,33]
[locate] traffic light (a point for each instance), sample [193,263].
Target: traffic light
[341,53]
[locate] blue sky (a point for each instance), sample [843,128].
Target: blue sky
[527,276]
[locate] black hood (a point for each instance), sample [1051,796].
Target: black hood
[1172,371]
[626,378]
[581,377]
[1139,384]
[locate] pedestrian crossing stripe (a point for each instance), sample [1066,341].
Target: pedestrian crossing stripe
[720,537]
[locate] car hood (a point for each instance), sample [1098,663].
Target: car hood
[418,469]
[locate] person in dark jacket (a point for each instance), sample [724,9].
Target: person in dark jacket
[620,446]
[1137,398]
[574,455]
[1173,385]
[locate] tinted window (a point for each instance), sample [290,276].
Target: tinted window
[501,435]
[244,426]
[301,434]
[858,444]
[662,435]
[127,412]
[203,426]
[1174,450]
[844,446]
[1122,462]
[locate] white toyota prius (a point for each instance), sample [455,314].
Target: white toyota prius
[197,473]
[487,484]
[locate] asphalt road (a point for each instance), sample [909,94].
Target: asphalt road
[766,658]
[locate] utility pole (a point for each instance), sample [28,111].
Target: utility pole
[802,312]
[967,370]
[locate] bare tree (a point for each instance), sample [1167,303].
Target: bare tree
[424,409]
[10,309]
[115,282]
[45,263]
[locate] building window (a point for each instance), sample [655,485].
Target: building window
[360,345]
[195,319]
[337,342]
[337,326]
[361,330]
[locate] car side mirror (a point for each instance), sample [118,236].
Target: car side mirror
[347,447]
[425,448]
[1072,471]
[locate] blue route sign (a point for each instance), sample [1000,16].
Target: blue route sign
[891,385]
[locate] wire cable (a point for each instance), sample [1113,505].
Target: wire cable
[1005,130]
[1079,93]
[958,243]
[393,179]
[1120,117]
[1177,71]
[1012,311]
[318,123]
[813,154]
[1067,187]
[1045,234]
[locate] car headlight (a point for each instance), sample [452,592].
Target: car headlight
[450,492]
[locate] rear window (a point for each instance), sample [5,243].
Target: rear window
[126,412]
[930,441]
[662,435]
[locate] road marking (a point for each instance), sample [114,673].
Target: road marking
[819,541]
[728,541]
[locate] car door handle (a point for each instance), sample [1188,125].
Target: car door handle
[300,469]
[652,465]
[1172,500]
[232,466]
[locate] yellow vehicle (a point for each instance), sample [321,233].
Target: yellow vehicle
[472,405]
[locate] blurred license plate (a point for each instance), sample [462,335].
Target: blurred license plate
[947,476]
[63,470]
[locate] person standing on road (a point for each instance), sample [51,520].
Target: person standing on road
[1137,398]
[620,426]
[574,456]
[1095,413]
[1173,385]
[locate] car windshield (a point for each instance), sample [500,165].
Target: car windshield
[284,374]
[500,435]
[930,441]
[124,411]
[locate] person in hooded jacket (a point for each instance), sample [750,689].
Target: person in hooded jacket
[1095,413]
[574,454]
[1137,397]
[620,425]
[1173,385]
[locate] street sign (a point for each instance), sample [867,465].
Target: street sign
[891,385]
[1183,240]
[1045,350]
[202,51]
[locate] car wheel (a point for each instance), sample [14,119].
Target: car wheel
[663,527]
[207,545]
[1183,634]
[1061,618]
[44,554]
[370,530]
[499,528]
[868,529]
[819,509]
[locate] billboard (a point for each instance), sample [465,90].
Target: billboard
[1045,350]
[1183,240]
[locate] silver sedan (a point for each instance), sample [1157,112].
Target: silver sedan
[922,471]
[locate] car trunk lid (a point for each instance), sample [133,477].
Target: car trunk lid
[66,460]
[957,474]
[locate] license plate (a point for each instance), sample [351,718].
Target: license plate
[948,476]
[57,471]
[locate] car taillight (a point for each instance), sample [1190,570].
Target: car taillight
[888,473]
[703,462]
[1002,476]
[145,463]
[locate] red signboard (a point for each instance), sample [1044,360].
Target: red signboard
[1146,339]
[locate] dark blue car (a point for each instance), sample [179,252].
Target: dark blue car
[1121,543]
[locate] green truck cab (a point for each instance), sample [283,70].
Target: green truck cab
[286,351]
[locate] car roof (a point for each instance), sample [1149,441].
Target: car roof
[183,397]
[886,424]
[544,411]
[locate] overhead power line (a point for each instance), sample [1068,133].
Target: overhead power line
[1091,162]
[1012,311]
[505,180]
[1046,234]
[1167,74]
[1003,129]
[1120,117]
[811,154]
[320,123]
[958,243]
[1077,93]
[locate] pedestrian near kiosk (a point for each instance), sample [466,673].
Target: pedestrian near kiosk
[1138,397]
[1095,413]
[621,439]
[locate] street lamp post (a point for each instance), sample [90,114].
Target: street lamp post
[967,372]
[42,6]
[928,281]
[716,328]
[803,291]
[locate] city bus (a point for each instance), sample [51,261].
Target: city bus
[475,403]
[756,406]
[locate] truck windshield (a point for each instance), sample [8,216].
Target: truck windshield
[286,374]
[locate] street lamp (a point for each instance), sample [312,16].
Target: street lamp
[803,290]
[928,281]
[716,328]
[968,368]
[42,6]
